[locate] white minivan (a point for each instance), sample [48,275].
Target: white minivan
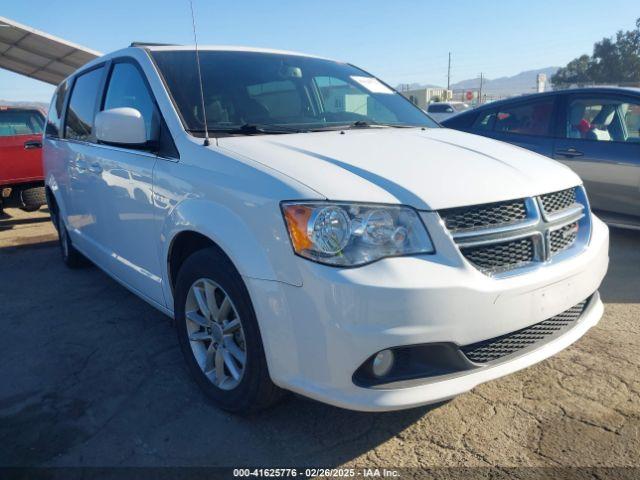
[311,230]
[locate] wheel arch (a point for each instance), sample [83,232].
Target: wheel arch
[195,224]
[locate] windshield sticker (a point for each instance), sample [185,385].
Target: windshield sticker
[372,84]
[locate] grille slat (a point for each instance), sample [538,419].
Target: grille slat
[499,347]
[484,216]
[498,257]
[558,201]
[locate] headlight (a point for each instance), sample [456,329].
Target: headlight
[344,234]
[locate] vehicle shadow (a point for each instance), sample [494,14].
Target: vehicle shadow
[621,283]
[9,220]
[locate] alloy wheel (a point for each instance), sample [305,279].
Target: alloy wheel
[215,334]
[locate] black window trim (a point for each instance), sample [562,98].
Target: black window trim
[570,96]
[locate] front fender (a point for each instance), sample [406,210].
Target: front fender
[256,241]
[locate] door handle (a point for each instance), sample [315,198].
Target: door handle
[569,153]
[31,144]
[95,168]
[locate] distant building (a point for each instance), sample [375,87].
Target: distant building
[422,97]
[541,82]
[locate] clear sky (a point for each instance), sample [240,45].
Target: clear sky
[401,41]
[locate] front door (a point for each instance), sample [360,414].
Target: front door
[128,229]
[601,143]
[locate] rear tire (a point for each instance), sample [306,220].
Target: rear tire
[71,257]
[33,198]
[210,290]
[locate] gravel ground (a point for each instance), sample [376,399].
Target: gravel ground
[92,376]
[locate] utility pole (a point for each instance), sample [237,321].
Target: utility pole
[449,73]
[480,91]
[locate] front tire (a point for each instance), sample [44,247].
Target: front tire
[219,336]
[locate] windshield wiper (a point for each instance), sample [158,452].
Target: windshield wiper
[363,124]
[251,129]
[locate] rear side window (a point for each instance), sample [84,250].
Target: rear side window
[82,106]
[128,89]
[55,111]
[20,122]
[531,119]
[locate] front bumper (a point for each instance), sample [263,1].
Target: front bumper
[316,336]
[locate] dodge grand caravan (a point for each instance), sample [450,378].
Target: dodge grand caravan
[311,230]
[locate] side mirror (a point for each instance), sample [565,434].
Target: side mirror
[123,126]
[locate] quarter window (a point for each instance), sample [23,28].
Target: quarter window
[530,119]
[128,89]
[82,106]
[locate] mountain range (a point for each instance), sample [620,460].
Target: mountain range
[523,82]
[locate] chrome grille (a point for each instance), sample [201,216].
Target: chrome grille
[521,233]
[482,216]
[499,347]
[558,201]
[563,237]
[499,257]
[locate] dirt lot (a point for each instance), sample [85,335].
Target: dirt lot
[93,376]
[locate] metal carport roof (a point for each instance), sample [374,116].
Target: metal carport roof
[39,55]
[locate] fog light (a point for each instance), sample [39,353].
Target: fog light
[382,363]
[6,192]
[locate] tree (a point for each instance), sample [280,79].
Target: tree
[614,60]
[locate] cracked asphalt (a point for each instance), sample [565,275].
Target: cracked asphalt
[92,376]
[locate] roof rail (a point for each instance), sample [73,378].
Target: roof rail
[152,44]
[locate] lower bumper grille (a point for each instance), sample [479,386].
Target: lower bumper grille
[499,347]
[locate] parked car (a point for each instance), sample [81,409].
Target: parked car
[594,131]
[440,111]
[21,178]
[318,233]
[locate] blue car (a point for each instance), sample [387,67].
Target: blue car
[594,131]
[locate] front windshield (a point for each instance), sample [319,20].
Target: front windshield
[288,92]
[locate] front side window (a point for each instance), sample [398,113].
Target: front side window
[20,122]
[82,105]
[279,90]
[484,121]
[531,119]
[603,119]
[127,88]
[55,111]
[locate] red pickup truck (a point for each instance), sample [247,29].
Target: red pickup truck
[21,178]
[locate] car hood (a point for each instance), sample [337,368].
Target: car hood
[428,169]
